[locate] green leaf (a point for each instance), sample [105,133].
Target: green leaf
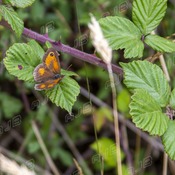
[36,48]
[9,105]
[48,44]
[168,140]
[13,19]
[147,14]
[148,76]
[68,73]
[121,33]
[64,156]
[101,115]
[33,147]
[21,61]
[172,99]
[107,149]
[160,44]
[147,114]
[21,3]
[123,100]
[65,93]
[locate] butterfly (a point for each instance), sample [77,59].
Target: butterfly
[48,73]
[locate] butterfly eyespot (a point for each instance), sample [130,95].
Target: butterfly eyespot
[51,54]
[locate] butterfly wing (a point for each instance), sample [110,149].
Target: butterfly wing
[51,60]
[47,74]
[41,73]
[47,85]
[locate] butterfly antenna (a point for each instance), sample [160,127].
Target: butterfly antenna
[69,67]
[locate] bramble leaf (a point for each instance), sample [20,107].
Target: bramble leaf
[121,33]
[147,114]
[36,48]
[21,3]
[168,140]
[13,19]
[21,60]
[148,76]
[159,43]
[65,93]
[172,99]
[147,14]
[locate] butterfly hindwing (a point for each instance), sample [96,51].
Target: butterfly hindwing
[47,85]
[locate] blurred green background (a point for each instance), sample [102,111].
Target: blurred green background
[20,104]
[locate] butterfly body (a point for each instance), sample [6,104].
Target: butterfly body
[48,73]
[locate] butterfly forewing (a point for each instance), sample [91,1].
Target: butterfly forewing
[42,73]
[51,61]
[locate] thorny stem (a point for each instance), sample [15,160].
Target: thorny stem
[90,58]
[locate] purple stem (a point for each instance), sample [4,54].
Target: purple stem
[67,49]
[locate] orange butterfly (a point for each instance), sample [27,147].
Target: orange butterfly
[47,74]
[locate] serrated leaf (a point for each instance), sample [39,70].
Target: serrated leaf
[160,44]
[13,19]
[21,3]
[147,76]
[21,60]
[172,99]
[68,73]
[147,114]
[65,93]
[36,48]
[9,105]
[147,14]
[168,140]
[121,33]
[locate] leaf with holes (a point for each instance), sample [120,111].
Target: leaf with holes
[65,93]
[160,44]
[21,60]
[148,76]
[121,33]
[147,14]
[13,19]
[168,140]
[147,114]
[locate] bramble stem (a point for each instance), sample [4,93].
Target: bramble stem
[90,58]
